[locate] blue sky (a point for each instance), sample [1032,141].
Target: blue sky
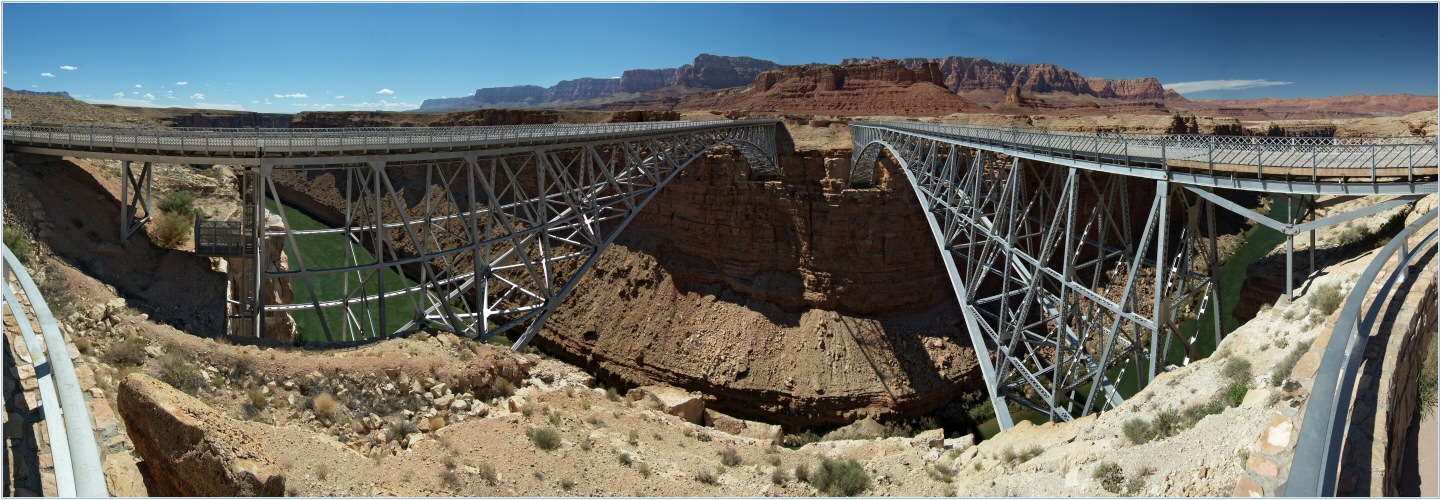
[286,57]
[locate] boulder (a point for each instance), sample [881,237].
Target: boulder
[686,405]
[934,438]
[744,428]
[188,449]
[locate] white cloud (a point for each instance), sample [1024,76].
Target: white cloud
[120,100]
[340,97]
[255,102]
[1207,85]
[119,95]
[296,95]
[149,96]
[48,75]
[385,91]
[138,86]
[383,105]
[182,83]
[313,106]
[69,68]
[198,97]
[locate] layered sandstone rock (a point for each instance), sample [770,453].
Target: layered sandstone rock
[582,89]
[515,94]
[641,80]
[189,449]
[974,73]
[885,88]
[719,72]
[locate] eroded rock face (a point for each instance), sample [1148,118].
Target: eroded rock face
[189,449]
[279,326]
[974,73]
[582,89]
[881,88]
[518,93]
[719,72]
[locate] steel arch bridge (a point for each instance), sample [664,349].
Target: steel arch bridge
[504,225]
[1081,261]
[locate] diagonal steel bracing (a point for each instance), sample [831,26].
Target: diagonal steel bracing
[480,242]
[1056,269]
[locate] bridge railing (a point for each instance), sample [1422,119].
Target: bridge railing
[73,449]
[1323,428]
[247,140]
[1322,155]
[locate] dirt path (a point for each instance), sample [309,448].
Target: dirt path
[1419,467]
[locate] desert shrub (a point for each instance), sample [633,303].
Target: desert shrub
[730,457]
[705,476]
[778,477]
[321,471]
[546,438]
[555,419]
[633,437]
[1136,429]
[803,472]
[703,437]
[177,202]
[256,398]
[19,244]
[1166,424]
[800,439]
[1138,480]
[1014,457]
[840,479]
[1426,399]
[451,479]
[643,469]
[1328,297]
[625,459]
[567,484]
[1235,394]
[1237,370]
[1111,477]
[1353,233]
[940,472]
[487,473]
[180,373]
[170,230]
[1282,370]
[84,345]
[402,428]
[325,407]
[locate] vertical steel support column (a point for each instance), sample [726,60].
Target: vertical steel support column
[1215,264]
[1290,251]
[124,201]
[259,176]
[1163,218]
[378,168]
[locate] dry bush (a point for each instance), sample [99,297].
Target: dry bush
[325,407]
[170,230]
[546,438]
[840,479]
[128,352]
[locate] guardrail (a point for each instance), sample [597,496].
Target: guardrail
[211,141]
[1316,461]
[1203,151]
[76,456]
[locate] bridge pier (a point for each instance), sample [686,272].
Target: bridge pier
[131,203]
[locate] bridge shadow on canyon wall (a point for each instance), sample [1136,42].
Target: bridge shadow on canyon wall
[79,209]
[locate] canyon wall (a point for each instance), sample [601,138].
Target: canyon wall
[884,88]
[974,73]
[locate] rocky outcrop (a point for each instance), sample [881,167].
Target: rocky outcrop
[221,119]
[582,89]
[497,117]
[973,73]
[720,72]
[279,326]
[61,93]
[529,94]
[642,80]
[885,88]
[189,449]
[1354,105]
[340,119]
[643,116]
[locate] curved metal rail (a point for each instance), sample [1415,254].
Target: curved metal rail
[76,455]
[1316,461]
[1327,165]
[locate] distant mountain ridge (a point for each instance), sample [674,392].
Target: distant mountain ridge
[705,72]
[974,73]
[61,93]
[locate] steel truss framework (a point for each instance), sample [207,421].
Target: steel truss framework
[487,229]
[492,240]
[1055,264]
